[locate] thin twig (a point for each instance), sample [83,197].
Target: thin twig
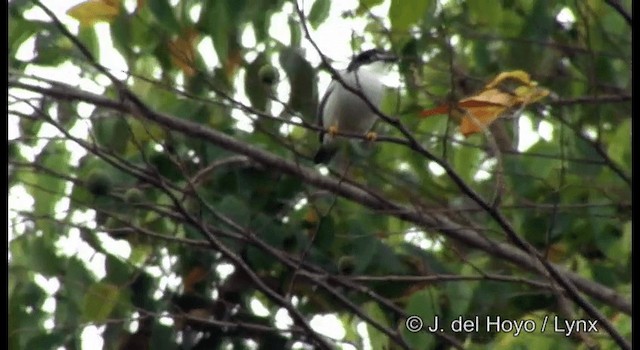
[445,226]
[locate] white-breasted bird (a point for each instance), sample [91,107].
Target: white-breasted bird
[341,110]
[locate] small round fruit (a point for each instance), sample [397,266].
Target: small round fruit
[268,74]
[133,196]
[98,183]
[346,264]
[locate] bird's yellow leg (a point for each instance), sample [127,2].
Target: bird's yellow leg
[371,136]
[332,130]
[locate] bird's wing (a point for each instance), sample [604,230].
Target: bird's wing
[323,103]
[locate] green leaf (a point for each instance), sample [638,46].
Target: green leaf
[141,291]
[620,145]
[256,90]
[319,12]
[99,301]
[586,150]
[29,128]
[217,21]
[164,15]
[80,197]
[404,14]
[302,78]
[163,337]
[143,35]
[540,20]
[296,33]
[32,294]
[272,234]
[364,248]
[484,12]
[233,208]
[387,261]
[117,271]
[67,309]
[112,132]
[50,188]
[481,54]
[542,166]
[42,257]
[262,21]
[325,235]
[15,322]
[122,34]
[51,48]
[460,294]
[76,271]
[424,305]
[368,4]
[606,273]
[46,341]
[165,166]
[620,251]
[89,39]
[466,161]
[613,244]
[20,30]
[351,334]
[377,339]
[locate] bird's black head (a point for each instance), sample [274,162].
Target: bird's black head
[370,56]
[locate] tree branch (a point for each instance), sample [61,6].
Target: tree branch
[465,235]
[132,104]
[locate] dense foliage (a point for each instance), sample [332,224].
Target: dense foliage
[175,205]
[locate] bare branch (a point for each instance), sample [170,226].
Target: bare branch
[444,225]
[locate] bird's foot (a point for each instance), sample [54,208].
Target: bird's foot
[332,130]
[371,136]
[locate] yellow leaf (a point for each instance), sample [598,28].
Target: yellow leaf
[476,112]
[442,109]
[92,11]
[492,97]
[479,118]
[457,107]
[530,94]
[182,52]
[518,75]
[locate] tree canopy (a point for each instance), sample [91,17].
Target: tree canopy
[162,189]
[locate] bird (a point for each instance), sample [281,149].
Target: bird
[341,110]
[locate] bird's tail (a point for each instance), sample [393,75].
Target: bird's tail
[325,153]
